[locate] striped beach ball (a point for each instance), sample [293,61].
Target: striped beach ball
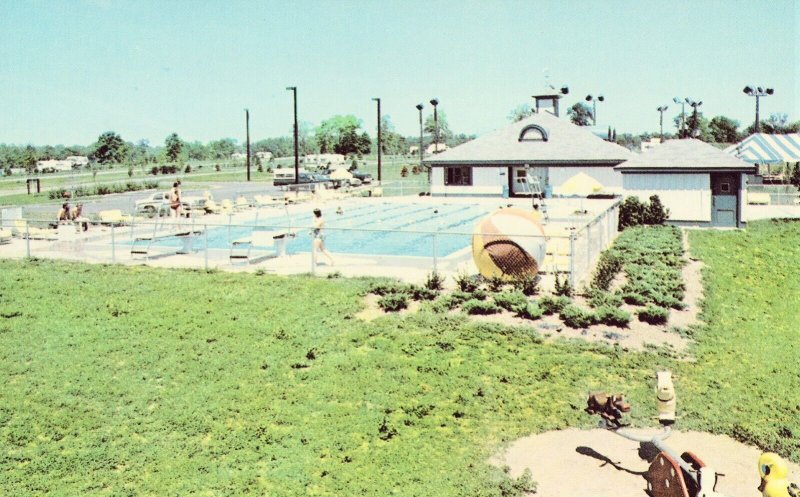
[509,243]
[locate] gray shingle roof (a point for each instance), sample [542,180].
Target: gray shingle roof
[566,143]
[689,154]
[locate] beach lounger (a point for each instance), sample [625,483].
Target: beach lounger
[22,229]
[241,204]
[226,207]
[5,235]
[114,217]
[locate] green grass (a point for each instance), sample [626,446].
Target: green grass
[139,381]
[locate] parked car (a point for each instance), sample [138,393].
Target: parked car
[158,204]
[365,178]
[284,177]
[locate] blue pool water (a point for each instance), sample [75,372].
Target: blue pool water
[452,222]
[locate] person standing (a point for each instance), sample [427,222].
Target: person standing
[175,199]
[319,236]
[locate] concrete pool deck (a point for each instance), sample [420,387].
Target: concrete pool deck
[95,246]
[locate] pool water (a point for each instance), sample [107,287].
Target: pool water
[361,229]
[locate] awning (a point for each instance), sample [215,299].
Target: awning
[763,148]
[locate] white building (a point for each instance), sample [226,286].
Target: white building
[264,155]
[700,184]
[57,165]
[322,160]
[78,160]
[542,145]
[238,156]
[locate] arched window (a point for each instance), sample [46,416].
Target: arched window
[533,133]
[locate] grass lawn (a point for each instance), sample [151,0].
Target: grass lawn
[139,381]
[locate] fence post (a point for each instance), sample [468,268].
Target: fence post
[313,256]
[113,246]
[205,235]
[588,247]
[28,239]
[572,237]
[435,258]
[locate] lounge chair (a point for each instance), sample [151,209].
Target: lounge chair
[5,235]
[226,207]
[22,229]
[266,201]
[212,207]
[241,204]
[114,217]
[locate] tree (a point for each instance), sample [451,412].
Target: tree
[110,149]
[173,146]
[777,124]
[580,114]
[444,127]
[393,143]
[724,129]
[337,132]
[222,149]
[520,112]
[697,127]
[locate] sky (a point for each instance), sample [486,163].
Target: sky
[71,70]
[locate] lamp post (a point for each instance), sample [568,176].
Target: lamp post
[757,92]
[419,108]
[293,89]
[379,138]
[661,110]
[247,126]
[594,100]
[435,103]
[679,100]
[694,105]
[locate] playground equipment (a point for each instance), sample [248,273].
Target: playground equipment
[774,477]
[508,243]
[669,475]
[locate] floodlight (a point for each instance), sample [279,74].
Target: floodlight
[770,91]
[748,90]
[588,98]
[677,100]
[601,98]
[419,106]
[434,102]
[564,90]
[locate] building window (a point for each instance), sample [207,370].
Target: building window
[458,176]
[725,187]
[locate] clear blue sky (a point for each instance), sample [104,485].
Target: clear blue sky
[73,69]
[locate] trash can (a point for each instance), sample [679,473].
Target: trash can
[505,191]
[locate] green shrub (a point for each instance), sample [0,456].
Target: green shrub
[188,169]
[612,316]
[475,306]
[434,281]
[563,287]
[479,294]
[599,298]
[576,317]
[531,311]
[388,287]
[633,298]
[529,285]
[393,302]
[466,282]
[608,266]
[653,314]
[510,300]
[631,213]
[655,213]
[495,283]
[553,305]
[418,292]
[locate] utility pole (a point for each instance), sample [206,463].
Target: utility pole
[379,138]
[296,154]
[661,120]
[247,125]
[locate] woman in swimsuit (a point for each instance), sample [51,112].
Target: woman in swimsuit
[175,200]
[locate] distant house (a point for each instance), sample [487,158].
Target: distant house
[78,160]
[238,156]
[700,184]
[264,155]
[542,145]
[55,165]
[321,160]
[433,148]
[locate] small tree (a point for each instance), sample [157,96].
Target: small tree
[655,213]
[404,172]
[631,212]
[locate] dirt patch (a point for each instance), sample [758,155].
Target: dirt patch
[373,311]
[599,463]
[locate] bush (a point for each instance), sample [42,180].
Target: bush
[495,283]
[608,266]
[421,293]
[475,306]
[612,316]
[187,169]
[404,172]
[217,167]
[154,170]
[478,294]
[655,213]
[393,302]
[564,287]
[633,298]
[466,282]
[599,298]
[510,301]
[631,212]
[553,305]
[387,287]
[530,311]
[434,281]
[653,314]
[528,285]
[576,317]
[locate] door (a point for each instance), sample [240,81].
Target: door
[520,186]
[724,200]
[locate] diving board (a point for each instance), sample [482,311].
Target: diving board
[242,248]
[143,245]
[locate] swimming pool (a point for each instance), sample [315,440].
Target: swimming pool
[386,228]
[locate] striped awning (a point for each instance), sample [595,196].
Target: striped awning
[762,148]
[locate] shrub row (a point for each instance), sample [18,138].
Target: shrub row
[103,189]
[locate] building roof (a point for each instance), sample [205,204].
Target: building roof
[684,155]
[763,148]
[565,143]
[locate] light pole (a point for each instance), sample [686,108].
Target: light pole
[758,92]
[379,138]
[594,100]
[293,89]
[435,103]
[247,125]
[419,108]
[661,110]
[694,105]
[679,100]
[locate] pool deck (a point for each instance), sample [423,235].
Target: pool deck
[95,245]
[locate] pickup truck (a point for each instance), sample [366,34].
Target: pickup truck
[158,204]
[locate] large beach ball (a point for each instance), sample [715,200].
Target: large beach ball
[508,243]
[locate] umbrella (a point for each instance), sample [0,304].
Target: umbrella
[581,185]
[341,173]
